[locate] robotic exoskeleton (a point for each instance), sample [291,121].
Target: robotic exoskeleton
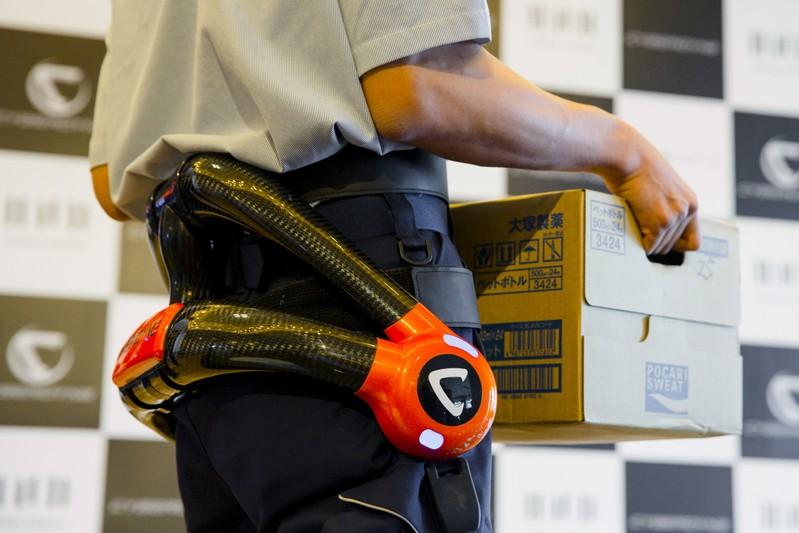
[432,393]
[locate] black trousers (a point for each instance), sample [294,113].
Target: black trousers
[280,453]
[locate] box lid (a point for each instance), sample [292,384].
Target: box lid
[619,275]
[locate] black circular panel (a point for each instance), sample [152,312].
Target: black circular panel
[449,390]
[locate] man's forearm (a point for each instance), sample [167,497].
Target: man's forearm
[463,104]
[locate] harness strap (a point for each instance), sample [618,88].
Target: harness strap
[355,171]
[413,248]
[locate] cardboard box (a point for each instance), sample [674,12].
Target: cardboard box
[589,340]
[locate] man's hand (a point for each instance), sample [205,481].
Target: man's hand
[664,205]
[460,102]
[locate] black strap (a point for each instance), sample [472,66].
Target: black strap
[454,498]
[355,171]
[413,248]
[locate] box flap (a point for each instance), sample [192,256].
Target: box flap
[683,376]
[618,274]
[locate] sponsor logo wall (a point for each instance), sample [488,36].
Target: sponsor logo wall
[767,166]
[712,83]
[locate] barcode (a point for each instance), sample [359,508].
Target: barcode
[533,342]
[528,378]
[539,339]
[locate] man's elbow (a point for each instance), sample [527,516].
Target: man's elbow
[402,108]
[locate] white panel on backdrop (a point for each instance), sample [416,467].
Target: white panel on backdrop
[52,480]
[762,55]
[709,451]
[76,17]
[695,135]
[564,45]
[766,498]
[56,238]
[125,313]
[558,491]
[472,182]
[769,282]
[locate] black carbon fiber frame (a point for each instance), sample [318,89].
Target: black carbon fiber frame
[215,338]
[222,187]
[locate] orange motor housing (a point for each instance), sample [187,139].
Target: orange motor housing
[433,393]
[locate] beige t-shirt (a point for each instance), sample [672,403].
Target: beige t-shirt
[274,83]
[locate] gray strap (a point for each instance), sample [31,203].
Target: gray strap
[449,293]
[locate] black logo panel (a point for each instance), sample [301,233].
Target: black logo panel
[49,83]
[142,489]
[670,498]
[449,390]
[51,354]
[673,47]
[771,402]
[767,166]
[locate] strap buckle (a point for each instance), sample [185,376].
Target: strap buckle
[428,254]
[454,498]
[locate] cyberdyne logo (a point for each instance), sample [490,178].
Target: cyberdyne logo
[435,377]
[45,83]
[39,357]
[779,161]
[782,398]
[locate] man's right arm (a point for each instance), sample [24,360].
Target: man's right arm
[461,103]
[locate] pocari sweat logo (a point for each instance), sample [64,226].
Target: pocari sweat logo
[666,389]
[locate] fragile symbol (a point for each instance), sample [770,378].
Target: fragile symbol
[553,249]
[528,251]
[482,255]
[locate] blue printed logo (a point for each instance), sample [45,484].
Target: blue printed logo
[666,389]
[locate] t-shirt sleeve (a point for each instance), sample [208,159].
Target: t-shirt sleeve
[381,31]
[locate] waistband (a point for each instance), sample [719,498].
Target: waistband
[355,171]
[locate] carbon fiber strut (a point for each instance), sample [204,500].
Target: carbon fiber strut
[220,186]
[215,338]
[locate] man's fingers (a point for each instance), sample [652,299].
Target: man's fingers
[659,237]
[672,235]
[691,238]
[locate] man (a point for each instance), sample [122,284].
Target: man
[286,86]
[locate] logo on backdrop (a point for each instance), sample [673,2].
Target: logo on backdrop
[777,275]
[771,402]
[767,166]
[25,356]
[43,493]
[779,162]
[673,54]
[43,88]
[141,488]
[699,498]
[561,509]
[666,389]
[565,22]
[774,48]
[51,372]
[47,93]
[782,398]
